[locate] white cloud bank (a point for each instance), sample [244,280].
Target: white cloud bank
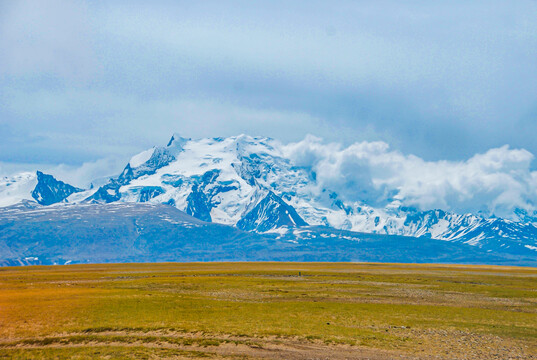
[495,182]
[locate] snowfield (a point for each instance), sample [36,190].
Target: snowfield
[252,183]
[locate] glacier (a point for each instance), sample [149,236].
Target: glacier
[249,183]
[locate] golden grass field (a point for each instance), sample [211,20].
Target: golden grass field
[268,311]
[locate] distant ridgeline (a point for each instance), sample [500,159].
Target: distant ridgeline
[236,198]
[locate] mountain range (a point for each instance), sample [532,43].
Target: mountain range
[270,208]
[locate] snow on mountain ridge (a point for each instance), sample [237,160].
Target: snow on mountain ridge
[17,188]
[49,191]
[252,183]
[39,187]
[223,179]
[141,158]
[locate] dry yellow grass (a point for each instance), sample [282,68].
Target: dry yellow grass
[268,310]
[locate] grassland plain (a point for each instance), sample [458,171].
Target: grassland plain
[268,310]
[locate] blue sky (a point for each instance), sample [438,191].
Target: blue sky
[97,82]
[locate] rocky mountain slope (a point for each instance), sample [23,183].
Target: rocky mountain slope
[133,232]
[250,183]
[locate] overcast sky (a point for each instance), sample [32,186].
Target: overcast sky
[100,81]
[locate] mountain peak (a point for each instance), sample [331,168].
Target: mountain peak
[177,140]
[254,184]
[269,214]
[49,191]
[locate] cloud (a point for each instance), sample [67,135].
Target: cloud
[493,183]
[80,81]
[85,125]
[82,176]
[38,37]
[440,80]
[96,172]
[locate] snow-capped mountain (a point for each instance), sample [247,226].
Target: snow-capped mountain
[250,183]
[49,191]
[17,188]
[234,181]
[39,187]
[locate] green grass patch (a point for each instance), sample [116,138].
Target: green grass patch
[384,306]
